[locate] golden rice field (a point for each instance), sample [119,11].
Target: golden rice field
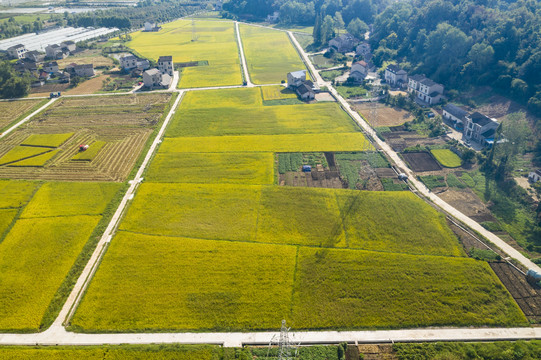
[199,275]
[270,55]
[47,140]
[14,194]
[268,143]
[38,160]
[216,43]
[277,92]
[22,152]
[114,352]
[229,117]
[70,198]
[31,269]
[224,168]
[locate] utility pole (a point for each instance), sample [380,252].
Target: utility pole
[285,351]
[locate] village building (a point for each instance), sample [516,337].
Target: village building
[149,27]
[16,51]
[23,66]
[165,65]
[425,90]
[154,78]
[54,51]
[128,62]
[363,49]
[344,43]
[50,67]
[395,76]
[297,81]
[534,176]
[480,128]
[273,18]
[69,46]
[84,70]
[455,115]
[34,56]
[359,71]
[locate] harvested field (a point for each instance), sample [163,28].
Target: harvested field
[90,56]
[421,161]
[123,123]
[468,203]
[527,296]
[12,110]
[89,86]
[46,90]
[386,116]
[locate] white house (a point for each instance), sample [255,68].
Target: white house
[17,51]
[50,67]
[274,17]
[85,70]
[359,70]
[425,89]
[455,115]
[534,176]
[151,27]
[344,43]
[395,76]
[34,56]
[143,64]
[480,128]
[165,65]
[128,62]
[54,51]
[296,78]
[154,78]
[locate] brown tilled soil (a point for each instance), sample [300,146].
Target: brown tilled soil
[421,161]
[468,203]
[123,122]
[375,352]
[47,89]
[386,116]
[527,296]
[89,86]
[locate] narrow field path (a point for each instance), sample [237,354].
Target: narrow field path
[508,249]
[242,57]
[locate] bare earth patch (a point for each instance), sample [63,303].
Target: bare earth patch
[386,116]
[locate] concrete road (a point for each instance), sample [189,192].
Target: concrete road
[242,57]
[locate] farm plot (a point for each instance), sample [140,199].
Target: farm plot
[13,194]
[120,124]
[31,270]
[359,289]
[386,116]
[215,44]
[227,168]
[384,222]
[268,143]
[277,93]
[446,158]
[227,212]
[269,54]
[215,292]
[12,110]
[228,116]
[421,161]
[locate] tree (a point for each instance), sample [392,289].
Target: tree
[481,56]
[357,28]
[327,29]
[317,32]
[338,22]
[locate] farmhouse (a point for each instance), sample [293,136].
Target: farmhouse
[16,51]
[425,89]
[69,46]
[56,52]
[344,43]
[128,62]
[50,67]
[359,70]
[362,49]
[395,76]
[534,176]
[274,17]
[34,56]
[86,70]
[296,81]
[149,27]
[154,78]
[480,128]
[165,64]
[455,115]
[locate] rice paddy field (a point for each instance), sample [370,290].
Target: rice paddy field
[13,110]
[270,55]
[215,44]
[210,243]
[43,229]
[446,157]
